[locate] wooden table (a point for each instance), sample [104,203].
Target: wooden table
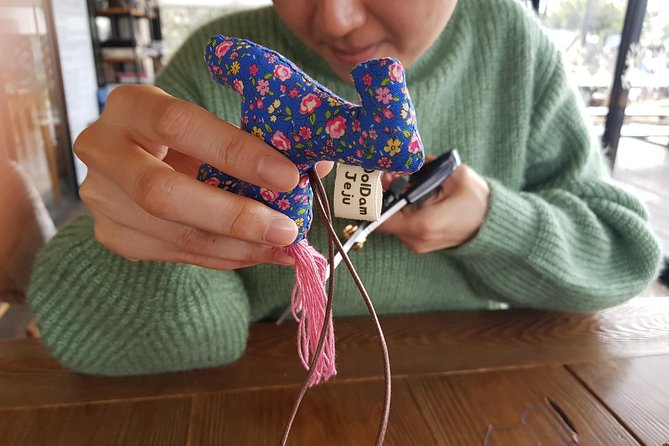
[456,376]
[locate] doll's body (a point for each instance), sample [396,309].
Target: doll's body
[308,123]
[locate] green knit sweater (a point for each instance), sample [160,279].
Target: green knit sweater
[557,234]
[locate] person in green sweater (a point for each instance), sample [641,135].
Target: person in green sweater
[167,273]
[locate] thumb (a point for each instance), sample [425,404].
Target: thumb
[400,223]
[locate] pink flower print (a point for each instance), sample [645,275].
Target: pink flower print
[385,162]
[253,70]
[280,141]
[358,153]
[395,72]
[310,102]
[414,144]
[388,113]
[245,119]
[293,93]
[268,195]
[272,59]
[367,80]
[383,95]
[262,87]
[361,141]
[336,127]
[223,48]
[305,132]
[239,86]
[260,104]
[283,204]
[283,88]
[353,161]
[282,72]
[377,118]
[373,134]
[355,125]
[233,55]
[383,62]
[329,151]
[296,138]
[310,153]
[304,180]
[213,181]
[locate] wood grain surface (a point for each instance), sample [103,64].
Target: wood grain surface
[152,422]
[455,409]
[428,410]
[421,343]
[636,390]
[459,378]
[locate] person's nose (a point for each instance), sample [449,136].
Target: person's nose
[337,18]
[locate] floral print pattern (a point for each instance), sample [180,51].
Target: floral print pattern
[308,123]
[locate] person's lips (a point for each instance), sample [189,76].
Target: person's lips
[353,56]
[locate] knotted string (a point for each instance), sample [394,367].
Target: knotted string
[324,209]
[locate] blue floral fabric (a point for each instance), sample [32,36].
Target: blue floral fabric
[308,123]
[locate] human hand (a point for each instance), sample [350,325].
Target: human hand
[449,218]
[143,155]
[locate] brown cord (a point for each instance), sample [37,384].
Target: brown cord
[321,340]
[324,208]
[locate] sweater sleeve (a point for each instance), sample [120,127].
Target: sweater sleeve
[100,313]
[569,239]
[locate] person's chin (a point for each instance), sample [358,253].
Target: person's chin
[342,71]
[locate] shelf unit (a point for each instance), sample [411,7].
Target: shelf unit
[127,42]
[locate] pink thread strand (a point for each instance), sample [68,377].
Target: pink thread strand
[310,297]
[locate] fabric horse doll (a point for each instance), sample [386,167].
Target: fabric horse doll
[308,123]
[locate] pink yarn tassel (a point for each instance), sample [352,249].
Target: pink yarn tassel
[310,298]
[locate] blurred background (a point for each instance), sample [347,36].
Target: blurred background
[61,58]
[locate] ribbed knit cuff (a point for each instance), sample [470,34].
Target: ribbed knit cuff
[507,229]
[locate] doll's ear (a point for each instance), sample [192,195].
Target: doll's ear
[387,117]
[385,74]
[221,55]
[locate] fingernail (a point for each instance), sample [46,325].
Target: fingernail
[279,174]
[280,231]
